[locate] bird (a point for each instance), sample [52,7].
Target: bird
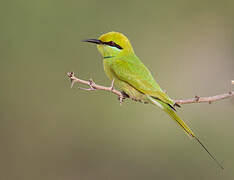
[128,73]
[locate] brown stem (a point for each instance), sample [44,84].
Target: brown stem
[196,99]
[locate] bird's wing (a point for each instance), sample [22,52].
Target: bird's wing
[137,75]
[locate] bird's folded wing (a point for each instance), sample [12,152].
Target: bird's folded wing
[139,77]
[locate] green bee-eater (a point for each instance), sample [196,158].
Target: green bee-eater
[127,71]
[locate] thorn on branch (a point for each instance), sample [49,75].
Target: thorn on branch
[197,98]
[72,83]
[112,85]
[122,95]
[91,86]
[70,74]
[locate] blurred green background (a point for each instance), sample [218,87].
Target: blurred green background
[52,132]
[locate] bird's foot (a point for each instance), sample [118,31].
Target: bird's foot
[123,96]
[177,105]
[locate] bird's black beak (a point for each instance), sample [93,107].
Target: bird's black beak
[95,41]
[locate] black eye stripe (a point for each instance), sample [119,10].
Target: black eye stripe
[113,44]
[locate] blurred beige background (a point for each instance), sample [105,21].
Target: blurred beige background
[51,132]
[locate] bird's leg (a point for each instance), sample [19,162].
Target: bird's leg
[177,105]
[123,96]
[120,98]
[91,88]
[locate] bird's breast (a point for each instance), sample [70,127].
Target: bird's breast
[107,69]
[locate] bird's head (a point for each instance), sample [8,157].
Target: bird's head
[112,44]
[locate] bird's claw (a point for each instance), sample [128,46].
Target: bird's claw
[121,98]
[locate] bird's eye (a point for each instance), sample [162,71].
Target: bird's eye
[113,44]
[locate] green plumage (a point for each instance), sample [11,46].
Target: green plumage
[133,77]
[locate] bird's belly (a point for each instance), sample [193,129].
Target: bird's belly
[108,70]
[132,92]
[124,86]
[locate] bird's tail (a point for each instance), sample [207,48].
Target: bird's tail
[171,112]
[166,108]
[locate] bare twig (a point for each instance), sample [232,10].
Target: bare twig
[121,96]
[209,99]
[93,86]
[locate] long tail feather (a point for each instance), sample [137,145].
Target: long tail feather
[173,115]
[217,162]
[182,124]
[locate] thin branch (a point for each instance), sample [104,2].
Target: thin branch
[209,99]
[121,96]
[93,86]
